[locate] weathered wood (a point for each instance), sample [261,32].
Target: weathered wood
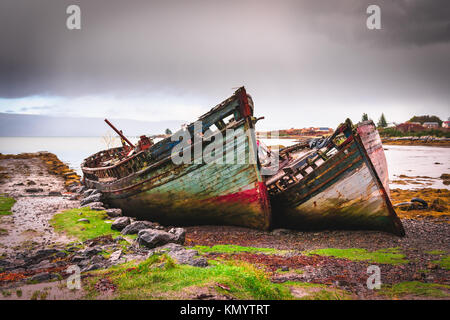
[343,192]
[150,186]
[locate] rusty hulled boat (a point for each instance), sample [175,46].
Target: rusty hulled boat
[146,183]
[340,182]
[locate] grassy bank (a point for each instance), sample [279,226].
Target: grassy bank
[384,256]
[68,222]
[6,204]
[160,278]
[416,289]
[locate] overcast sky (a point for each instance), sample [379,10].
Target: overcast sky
[305,63]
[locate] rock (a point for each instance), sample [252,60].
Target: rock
[115,256]
[88,252]
[83,220]
[438,205]
[114,212]
[34,190]
[101,240]
[44,276]
[179,234]
[120,223]
[98,208]
[189,257]
[87,193]
[166,248]
[77,258]
[73,197]
[94,266]
[152,238]
[40,255]
[54,193]
[279,232]
[93,204]
[80,189]
[119,238]
[181,255]
[137,226]
[92,198]
[284,268]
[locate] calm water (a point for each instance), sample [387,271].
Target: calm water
[412,161]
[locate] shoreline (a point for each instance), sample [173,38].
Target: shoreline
[427,241]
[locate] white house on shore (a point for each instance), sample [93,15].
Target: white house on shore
[431,125]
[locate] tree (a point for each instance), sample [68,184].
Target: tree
[168,131]
[382,123]
[422,119]
[365,117]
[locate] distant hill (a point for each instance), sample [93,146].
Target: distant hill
[24,125]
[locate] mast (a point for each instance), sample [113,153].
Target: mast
[119,133]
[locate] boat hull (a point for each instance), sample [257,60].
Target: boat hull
[344,192]
[374,147]
[227,191]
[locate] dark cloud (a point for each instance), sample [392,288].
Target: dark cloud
[290,53]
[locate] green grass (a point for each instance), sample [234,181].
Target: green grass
[6,204]
[444,262]
[230,248]
[66,222]
[435,252]
[415,288]
[159,277]
[383,256]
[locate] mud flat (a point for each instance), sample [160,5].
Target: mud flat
[38,183]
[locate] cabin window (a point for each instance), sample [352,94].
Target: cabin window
[228,119]
[319,161]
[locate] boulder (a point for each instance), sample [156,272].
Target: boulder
[87,193]
[98,208]
[137,226]
[92,198]
[189,257]
[93,204]
[114,212]
[115,256]
[152,238]
[179,234]
[120,223]
[83,220]
[181,255]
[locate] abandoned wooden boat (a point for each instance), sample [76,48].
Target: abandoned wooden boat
[145,182]
[340,182]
